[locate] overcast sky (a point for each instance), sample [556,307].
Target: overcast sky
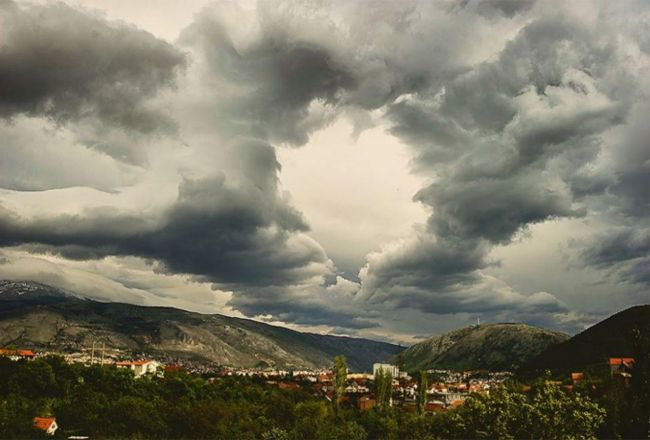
[387,169]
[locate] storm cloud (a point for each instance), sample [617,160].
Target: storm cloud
[516,115]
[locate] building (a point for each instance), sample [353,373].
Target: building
[288,386]
[450,397]
[576,378]
[620,366]
[47,424]
[386,368]
[140,368]
[435,406]
[365,403]
[15,355]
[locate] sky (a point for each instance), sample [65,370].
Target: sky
[380,169]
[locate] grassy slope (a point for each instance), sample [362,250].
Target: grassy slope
[491,346]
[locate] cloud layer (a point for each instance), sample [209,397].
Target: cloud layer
[515,114]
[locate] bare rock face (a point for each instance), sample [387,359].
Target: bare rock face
[40,317]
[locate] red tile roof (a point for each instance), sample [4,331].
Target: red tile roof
[23,353]
[27,353]
[619,361]
[43,423]
[134,363]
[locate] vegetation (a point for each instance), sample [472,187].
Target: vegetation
[340,376]
[105,402]
[546,413]
[423,385]
[588,350]
[45,319]
[489,346]
[383,388]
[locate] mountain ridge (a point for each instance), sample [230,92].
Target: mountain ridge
[611,337]
[50,319]
[501,346]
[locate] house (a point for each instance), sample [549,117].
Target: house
[174,368]
[366,403]
[620,366]
[456,403]
[288,386]
[325,377]
[576,378]
[355,388]
[435,406]
[47,424]
[140,368]
[15,355]
[449,397]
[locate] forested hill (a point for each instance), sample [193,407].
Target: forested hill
[612,337]
[40,317]
[490,346]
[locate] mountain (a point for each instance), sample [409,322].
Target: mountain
[40,317]
[489,346]
[609,338]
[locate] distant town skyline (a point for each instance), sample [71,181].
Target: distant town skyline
[381,169]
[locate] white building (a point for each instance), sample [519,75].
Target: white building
[386,368]
[140,368]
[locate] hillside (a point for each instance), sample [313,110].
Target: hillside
[611,337]
[36,316]
[490,346]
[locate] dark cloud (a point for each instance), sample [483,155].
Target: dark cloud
[508,134]
[311,307]
[492,209]
[67,64]
[276,78]
[227,234]
[617,246]
[624,248]
[498,142]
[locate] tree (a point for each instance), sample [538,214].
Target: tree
[275,434]
[638,412]
[340,378]
[423,385]
[549,413]
[383,388]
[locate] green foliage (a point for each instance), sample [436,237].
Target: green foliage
[423,385]
[105,402]
[340,376]
[548,412]
[275,434]
[383,388]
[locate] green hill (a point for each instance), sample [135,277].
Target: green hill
[490,346]
[609,338]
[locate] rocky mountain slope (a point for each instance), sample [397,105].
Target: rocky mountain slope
[36,316]
[612,337]
[490,346]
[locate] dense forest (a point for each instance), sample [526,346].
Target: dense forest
[106,402]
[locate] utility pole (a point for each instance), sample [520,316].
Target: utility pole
[103,348]
[92,353]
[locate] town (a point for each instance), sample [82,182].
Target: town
[445,389]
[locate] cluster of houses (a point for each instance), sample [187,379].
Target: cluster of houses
[449,390]
[17,354]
